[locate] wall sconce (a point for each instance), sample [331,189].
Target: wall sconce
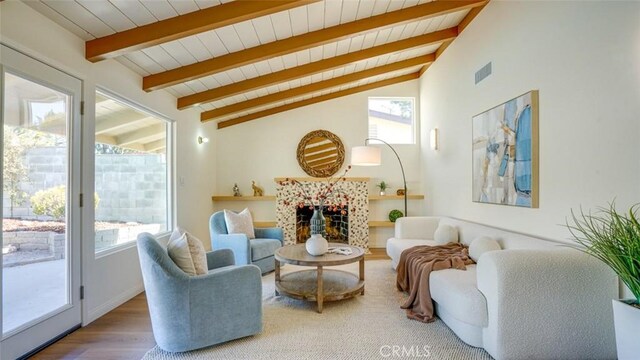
[433,139]
[202,140]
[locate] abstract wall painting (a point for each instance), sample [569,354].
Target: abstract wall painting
[505,153]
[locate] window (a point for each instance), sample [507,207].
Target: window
[132,172]
[392,119]
[45,112]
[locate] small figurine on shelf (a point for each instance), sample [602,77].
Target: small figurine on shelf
[257,191]
[236,190]
[400,192]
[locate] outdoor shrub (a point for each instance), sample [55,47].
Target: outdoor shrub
[14,171]
[52,201]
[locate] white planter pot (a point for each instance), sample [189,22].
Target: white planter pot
[627,324]
[317,245]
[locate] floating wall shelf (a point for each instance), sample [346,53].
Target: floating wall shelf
[273,197]
[381,224]
[243,198]
[395,197]
[372,224]
[263,224]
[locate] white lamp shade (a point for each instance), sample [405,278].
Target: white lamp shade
[366,156]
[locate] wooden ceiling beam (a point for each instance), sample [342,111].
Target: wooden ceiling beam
[461,26]
[424,68]
[184,25]
[337,94]
[315,67]
[469,18]
[303,41]
[315,87]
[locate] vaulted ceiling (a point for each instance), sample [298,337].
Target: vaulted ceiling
[242,60]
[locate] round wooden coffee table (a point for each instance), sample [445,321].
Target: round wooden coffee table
[319,284]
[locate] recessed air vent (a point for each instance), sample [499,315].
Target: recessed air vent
[483,73]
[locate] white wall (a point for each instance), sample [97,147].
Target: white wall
[195,176]
[584,58]
[264,149]
[112,279]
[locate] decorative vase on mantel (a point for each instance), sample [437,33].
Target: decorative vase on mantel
[317,245]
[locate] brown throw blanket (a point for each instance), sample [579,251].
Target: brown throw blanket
[414,268]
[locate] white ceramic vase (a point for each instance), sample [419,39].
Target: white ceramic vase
[317,245]
[626,319]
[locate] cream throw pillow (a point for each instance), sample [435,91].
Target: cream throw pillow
[481,245]
[187,252]
[445,234]
[241,223]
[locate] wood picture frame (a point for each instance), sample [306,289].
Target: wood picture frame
[320,153]
[505,153]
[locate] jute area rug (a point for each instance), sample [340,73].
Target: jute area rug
[366,327]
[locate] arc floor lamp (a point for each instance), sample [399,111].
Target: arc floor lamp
[368,155]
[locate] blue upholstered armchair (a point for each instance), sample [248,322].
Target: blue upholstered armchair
[258,251]
[191,312]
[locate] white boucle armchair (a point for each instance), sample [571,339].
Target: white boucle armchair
[541,300]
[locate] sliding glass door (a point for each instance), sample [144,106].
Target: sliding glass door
[41,203]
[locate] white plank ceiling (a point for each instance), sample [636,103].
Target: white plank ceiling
[90,19]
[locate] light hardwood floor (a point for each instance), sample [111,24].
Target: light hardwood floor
[122,334]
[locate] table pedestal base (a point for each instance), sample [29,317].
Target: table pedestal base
[320,285]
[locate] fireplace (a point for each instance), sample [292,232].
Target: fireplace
[353,231]
[336,228]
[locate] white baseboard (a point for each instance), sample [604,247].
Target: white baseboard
[103,309]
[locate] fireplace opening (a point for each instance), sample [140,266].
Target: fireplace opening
[336,225]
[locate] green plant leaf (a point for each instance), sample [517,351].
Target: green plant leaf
[613,238]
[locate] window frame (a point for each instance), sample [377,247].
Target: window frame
[170,176]
[414,116]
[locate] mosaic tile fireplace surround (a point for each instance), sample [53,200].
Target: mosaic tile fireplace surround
[358,208]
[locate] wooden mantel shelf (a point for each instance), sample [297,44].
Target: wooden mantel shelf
[243,198]
[371,224]
[273,197]
[362,179]
[396,197]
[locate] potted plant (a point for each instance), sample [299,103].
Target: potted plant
[614,238]
[382,186]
